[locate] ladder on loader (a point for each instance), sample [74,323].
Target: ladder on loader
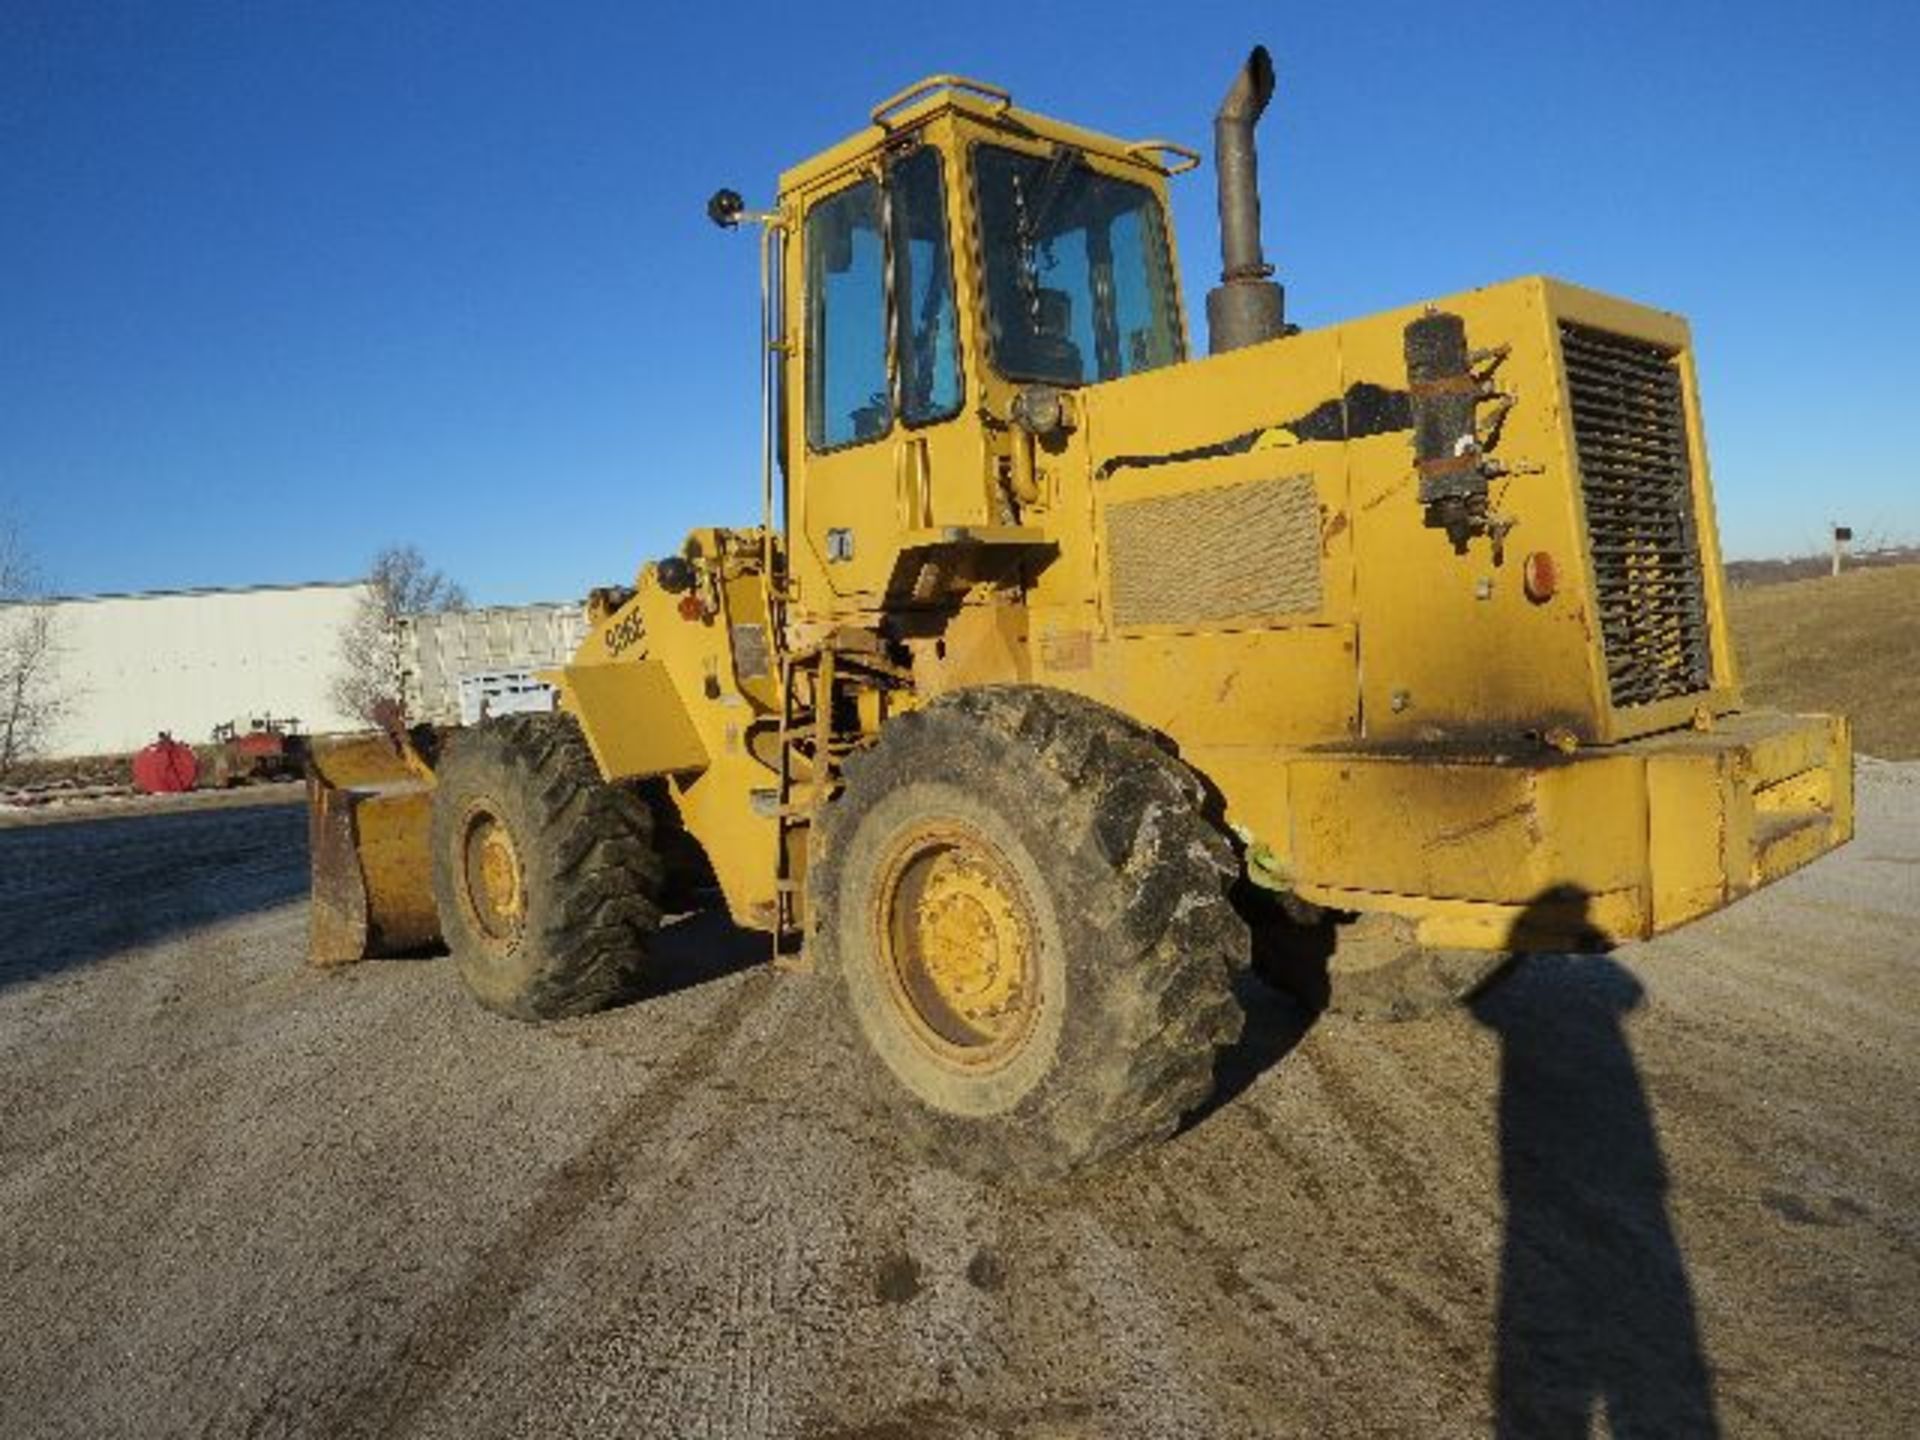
[810,753]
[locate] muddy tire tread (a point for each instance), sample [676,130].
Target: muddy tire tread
[592,848]
[1139,864]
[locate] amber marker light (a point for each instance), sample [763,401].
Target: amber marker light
[1539,577]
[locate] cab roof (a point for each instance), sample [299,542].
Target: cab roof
[940,95]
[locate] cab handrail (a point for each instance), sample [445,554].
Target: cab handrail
[1154,152]
[921,88]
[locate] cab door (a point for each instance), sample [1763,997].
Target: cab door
[886,445]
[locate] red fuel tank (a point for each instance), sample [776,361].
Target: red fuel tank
[165,767]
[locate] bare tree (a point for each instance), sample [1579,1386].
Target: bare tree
[400,582]
[29,700]
[410,586]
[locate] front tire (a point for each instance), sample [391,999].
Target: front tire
[1026,916]
[545,876]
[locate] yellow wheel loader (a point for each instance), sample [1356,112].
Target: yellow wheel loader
[1071,673]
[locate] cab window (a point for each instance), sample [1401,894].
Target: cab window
[1079,288]
[852,370]
[927,323]
[847,397]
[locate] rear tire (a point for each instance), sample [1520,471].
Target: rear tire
[1025,914]
[545,876]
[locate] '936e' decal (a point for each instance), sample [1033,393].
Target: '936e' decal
[625,632]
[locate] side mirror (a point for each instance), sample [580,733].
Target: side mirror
[725,208]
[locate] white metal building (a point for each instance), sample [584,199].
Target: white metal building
[126,667]
[129,666]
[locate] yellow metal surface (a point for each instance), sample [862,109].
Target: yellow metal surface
[1430,824]
[634,719]
[371,760]
[958,943]
[369,814]
[495,887]
[971,939]
[1455,649]
[680,684]
[1728,818]
[1652,833]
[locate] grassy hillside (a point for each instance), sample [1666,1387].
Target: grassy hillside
[1850,643]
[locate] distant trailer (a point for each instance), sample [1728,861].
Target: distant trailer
[502,692]
[452,662]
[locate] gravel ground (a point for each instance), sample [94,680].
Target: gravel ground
[1675,1187]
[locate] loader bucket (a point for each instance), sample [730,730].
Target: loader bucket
[369,813]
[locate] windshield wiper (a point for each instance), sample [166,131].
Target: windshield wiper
[1061,165]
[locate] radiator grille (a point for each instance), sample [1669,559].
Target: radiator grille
[1228,552]
[1629,423]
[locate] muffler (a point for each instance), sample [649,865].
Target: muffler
[1246,307]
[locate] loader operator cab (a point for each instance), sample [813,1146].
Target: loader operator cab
[1077,282]
[930,270]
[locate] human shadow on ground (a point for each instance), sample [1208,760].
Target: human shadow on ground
[76,892]
[1595,1309]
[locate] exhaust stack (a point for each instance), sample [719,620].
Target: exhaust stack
[1245,307]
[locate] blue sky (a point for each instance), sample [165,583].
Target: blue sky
[280,283]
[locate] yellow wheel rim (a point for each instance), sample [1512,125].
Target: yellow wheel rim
[957,940]
[495,882]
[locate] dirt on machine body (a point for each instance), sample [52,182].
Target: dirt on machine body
[1070,672]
